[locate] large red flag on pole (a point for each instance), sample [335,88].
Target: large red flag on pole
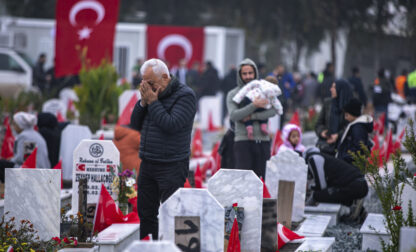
[83,24]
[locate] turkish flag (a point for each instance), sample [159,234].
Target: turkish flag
[197,144]
[107,212]
[173,43]
[277,142]
[295,119]
[266,193]
[8,143]
[124,118]
[234,242]
[30,161]
[285,235]
[82,24]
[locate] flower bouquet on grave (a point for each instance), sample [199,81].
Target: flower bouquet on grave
[124,185]
[230,213]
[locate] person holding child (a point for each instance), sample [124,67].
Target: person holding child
[250,153]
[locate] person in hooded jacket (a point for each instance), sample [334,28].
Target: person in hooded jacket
[331,123]
[333,180]
[48,128]
[250,154]
[356,132]
[292,139]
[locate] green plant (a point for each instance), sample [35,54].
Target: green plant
[98,93]
[24,101]
[389,187]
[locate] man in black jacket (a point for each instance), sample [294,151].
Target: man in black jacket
[164,116]
[333,180]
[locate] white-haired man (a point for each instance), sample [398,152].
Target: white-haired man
[164,116]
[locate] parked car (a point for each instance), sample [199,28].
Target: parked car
[15,72]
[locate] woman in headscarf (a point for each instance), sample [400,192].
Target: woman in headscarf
[27,140]
[331,122]
[48,128]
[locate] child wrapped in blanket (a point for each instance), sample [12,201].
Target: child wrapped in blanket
[265,88]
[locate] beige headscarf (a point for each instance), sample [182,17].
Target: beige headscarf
[25,120]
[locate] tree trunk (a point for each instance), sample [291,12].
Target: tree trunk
[298,50]
[333,35]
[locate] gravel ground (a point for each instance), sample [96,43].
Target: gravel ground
[347,234]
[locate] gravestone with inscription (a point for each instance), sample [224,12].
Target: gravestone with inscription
[289,166]
[243,187]
[94,159]
[71,136]
[192,218]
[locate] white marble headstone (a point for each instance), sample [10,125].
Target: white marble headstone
[124,99]
[70,138]
[409,194]
[34,195]
[54,106]
[289,166]
[210,105]
[152,246]
[93,160]
[194,202]
[407,239]
[231,186]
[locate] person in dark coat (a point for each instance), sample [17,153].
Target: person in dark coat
[326,78]
[381,94]
[331,121]
[40,79]
[333,180]
[164,116]
[356,132]
[357,86]
[48,128]
[209,81]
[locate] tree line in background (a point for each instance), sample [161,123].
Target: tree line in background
[270,25]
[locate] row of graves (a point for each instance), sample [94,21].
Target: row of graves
[231,209]
[192,219]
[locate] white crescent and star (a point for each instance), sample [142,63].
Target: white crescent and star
[85,32]
[174,39]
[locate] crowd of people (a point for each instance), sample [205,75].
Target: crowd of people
[165,113]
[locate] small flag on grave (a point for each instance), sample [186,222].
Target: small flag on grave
[8,143]
[107,212]
[285,235]
[234,242]
[198,177]
[30,161]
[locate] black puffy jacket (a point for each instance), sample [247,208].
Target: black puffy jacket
[166,124]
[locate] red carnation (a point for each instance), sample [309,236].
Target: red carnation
[66,240]
[396,208]
[57,239]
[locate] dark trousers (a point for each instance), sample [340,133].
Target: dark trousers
[3,165]
[252,155]
[345,195]
[155,184]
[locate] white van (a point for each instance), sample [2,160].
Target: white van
[15,72]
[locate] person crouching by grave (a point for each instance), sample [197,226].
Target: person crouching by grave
[292,138]
[356,132]
[249,153]
[164,117]
[263,89]
[27,140]
[333,180]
